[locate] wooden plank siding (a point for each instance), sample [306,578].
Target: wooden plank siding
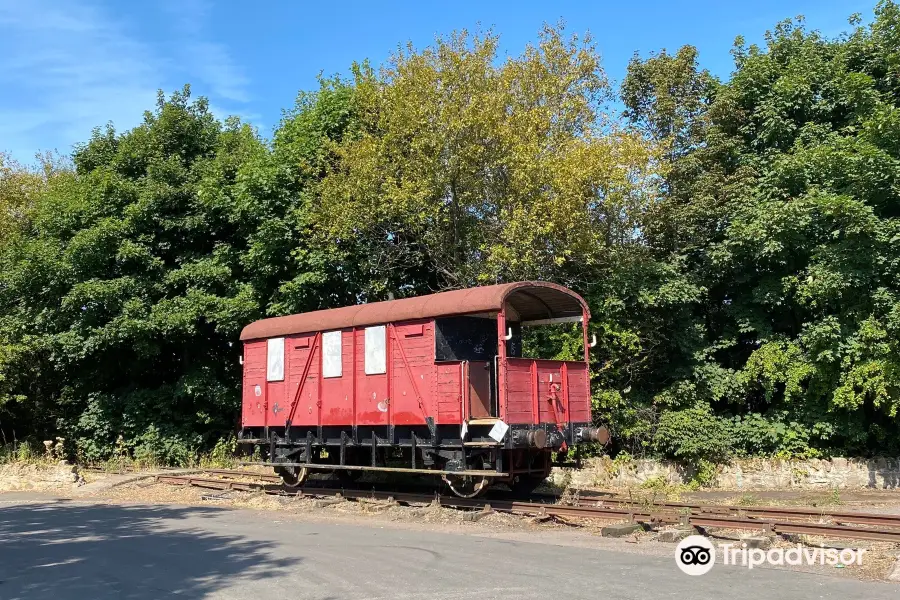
[414,386]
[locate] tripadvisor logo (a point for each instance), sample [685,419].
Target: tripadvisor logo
[696,555]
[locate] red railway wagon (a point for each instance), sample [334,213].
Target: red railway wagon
[434,384]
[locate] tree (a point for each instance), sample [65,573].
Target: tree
[273,204]
[787,221]
[477,172]
[667,95]
[125,292]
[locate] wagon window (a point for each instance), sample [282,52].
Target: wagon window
[331,354]
[376,354]
[465,338]
[275,359]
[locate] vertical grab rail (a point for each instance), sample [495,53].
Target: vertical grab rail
[408,370]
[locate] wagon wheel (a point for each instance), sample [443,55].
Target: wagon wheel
[292,477]
[465,486]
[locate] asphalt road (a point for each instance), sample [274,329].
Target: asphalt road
[64,550]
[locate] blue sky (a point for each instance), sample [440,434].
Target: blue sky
[70,65]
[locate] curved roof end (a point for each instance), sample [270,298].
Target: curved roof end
[531,300]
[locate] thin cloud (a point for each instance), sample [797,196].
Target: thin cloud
[71,65]
[68,68]
[209,61]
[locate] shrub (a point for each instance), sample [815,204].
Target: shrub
[693,434]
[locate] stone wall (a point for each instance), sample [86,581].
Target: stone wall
[749,474]
[38,476]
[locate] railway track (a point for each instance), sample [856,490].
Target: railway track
[757,512]
[587,505]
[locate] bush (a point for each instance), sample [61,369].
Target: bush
[694,434]
[756,435]
[704,474]
[152,448]
[223,454]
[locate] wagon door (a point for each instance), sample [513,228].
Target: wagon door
[275,389]
[479,380]
[302,400]
[411,359]
[254,400]
[336,397]
[372,402]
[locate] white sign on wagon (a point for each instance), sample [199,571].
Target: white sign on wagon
[498,431]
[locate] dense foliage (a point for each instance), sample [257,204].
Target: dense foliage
[780,209]
[738,241]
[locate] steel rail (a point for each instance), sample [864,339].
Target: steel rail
[587,498]
[238,473]
[632,506]
[501,505]
[798,527]
[651,516]
[761,512]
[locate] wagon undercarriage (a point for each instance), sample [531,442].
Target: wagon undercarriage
[523,460]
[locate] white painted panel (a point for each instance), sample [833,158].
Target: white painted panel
[498,431]
[275,359]
[376,350]
[331,354]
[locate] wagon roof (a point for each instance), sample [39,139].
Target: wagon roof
[533,300]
